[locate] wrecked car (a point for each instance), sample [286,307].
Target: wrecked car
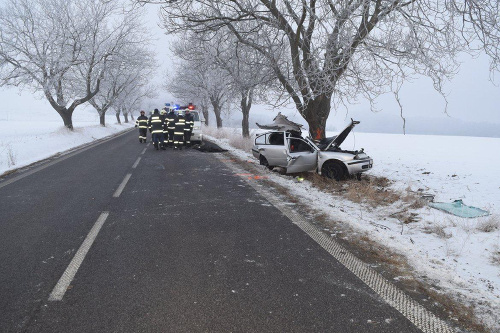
[284,147]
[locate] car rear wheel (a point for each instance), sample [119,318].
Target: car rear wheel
[264,162]
[333,170]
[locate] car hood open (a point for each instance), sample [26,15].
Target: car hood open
[337,140]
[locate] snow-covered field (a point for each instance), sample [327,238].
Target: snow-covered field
[460,255]
[29,137]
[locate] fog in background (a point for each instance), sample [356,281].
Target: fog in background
[473,101]
[473,107]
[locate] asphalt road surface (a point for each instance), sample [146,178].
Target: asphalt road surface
[123,238]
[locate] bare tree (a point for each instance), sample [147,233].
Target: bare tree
[198,77]
[249,76]
[130,68]
[62,48]
[325,51]
[133,96]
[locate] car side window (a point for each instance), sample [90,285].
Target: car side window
[261,140]
[297,145]
[276,139]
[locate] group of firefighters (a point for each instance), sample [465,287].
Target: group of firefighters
[167,128]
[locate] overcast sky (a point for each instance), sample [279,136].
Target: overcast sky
[473,101]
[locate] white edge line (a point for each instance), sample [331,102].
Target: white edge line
[422,318]
[65,156]
[136,163]
[62,285]
[122,186]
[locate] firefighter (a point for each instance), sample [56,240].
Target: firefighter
[188,129]
[180,123]
[163,114]
[170,119]
[142,123]
[155,124]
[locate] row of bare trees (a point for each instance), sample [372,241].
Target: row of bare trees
[220,72]
[324,53]
[74,52]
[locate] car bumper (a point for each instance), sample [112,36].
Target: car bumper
[196,137]
[356,166]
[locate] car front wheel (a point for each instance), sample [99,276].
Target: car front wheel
[333,170]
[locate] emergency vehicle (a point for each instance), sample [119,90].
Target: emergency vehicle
[196,135]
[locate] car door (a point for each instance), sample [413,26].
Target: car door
[274,149]
[301,156]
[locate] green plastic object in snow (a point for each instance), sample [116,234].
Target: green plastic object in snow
[458,208]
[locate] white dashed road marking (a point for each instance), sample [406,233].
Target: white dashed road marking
[120,188]
[136,163]
[68,275]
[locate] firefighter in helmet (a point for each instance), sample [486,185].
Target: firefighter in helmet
[142,123]
[155,124]
[170,120]
[180,124]
[188,129]
[163,115]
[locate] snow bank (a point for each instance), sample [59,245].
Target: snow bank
[24,141]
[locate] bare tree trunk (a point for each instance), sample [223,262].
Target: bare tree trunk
[245,125]
[67,117]
[118,117]
[316,115]
[205,115]
[218,118]
[204,111]
[217,111]
[132,116]
[246,104]
[102,118]
[125,115]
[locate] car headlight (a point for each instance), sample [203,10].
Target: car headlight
[361,151]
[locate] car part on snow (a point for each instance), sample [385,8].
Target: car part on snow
[458,208]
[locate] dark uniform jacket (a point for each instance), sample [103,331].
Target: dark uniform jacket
[141,122]
[170,120]
[155,123]
[180,124]
[189,122]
